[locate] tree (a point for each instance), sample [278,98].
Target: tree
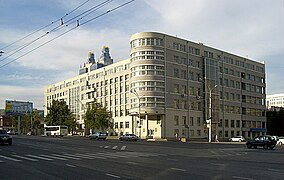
[97,117]
[60,114]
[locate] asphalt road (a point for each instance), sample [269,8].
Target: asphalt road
[32,157]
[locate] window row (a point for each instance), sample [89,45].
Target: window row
[182,120]
[156,67]
[134,54]
[183,90]
[182,104]
[147,42]
[149,73]
[230,123]
[147,57]
[147,83]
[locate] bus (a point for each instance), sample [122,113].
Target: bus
[55,130]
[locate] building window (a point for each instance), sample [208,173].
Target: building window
[176,72]
[198,132]
[191,132]
[226,133]
[183,89]
[226,123]
[183,74]
[191,90]
[232,133]
[176,120]
[184,120]
[183,104]
[121,125]
[116,125]
[127,124]
[176,103]
[176,88]
[191,122]
[232,123]
[198,121]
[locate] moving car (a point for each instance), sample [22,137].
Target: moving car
[280,140]
[5,137]
[237,139]
[264,141]
[98,136]
[129,137]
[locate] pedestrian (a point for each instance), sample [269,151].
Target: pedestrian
[216,138]
[177,136]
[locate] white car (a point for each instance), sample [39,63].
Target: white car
[237,139]
[280,140]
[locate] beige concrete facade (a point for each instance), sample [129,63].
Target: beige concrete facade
[167,82]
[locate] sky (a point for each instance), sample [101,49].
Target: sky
[253,29]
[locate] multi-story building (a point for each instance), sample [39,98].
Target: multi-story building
[275,100]
[171,86]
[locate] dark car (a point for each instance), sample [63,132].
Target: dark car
[129,137]
[5,137]
[263,141]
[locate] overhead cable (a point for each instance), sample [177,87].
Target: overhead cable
[96,17]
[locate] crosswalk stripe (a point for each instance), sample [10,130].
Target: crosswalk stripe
[106,147]
[23,157]
[68,157]
[114,147]
[38,157]
[78,156]
[53,157]
[9,158]
[123,148]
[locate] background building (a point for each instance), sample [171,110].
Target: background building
[275,100]
[171,86]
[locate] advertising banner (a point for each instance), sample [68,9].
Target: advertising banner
[18,107]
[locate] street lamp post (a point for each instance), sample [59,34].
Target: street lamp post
[210,113]
[139,115]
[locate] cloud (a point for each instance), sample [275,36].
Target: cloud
[240,27]
[33,94]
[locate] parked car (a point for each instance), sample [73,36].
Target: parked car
[5,137]
[280,140]
[98,136]
[264,141]
[129,137]
[237,139]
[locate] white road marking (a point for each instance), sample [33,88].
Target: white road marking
[53,157]
[38,157]
[68,157]
[275,170]
[78,156]
[26,158]
[9,158]
[132,163]
[178,169]
[114,147]
[237,177]
[172,159]
[106,147]
[111,175]
[216,164]
[69,165]
[123,148]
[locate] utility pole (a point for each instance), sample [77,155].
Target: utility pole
[139,115]
[210,113]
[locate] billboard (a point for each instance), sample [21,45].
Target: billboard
[18,107]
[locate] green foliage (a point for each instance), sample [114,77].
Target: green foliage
[97,117]
[60,114]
